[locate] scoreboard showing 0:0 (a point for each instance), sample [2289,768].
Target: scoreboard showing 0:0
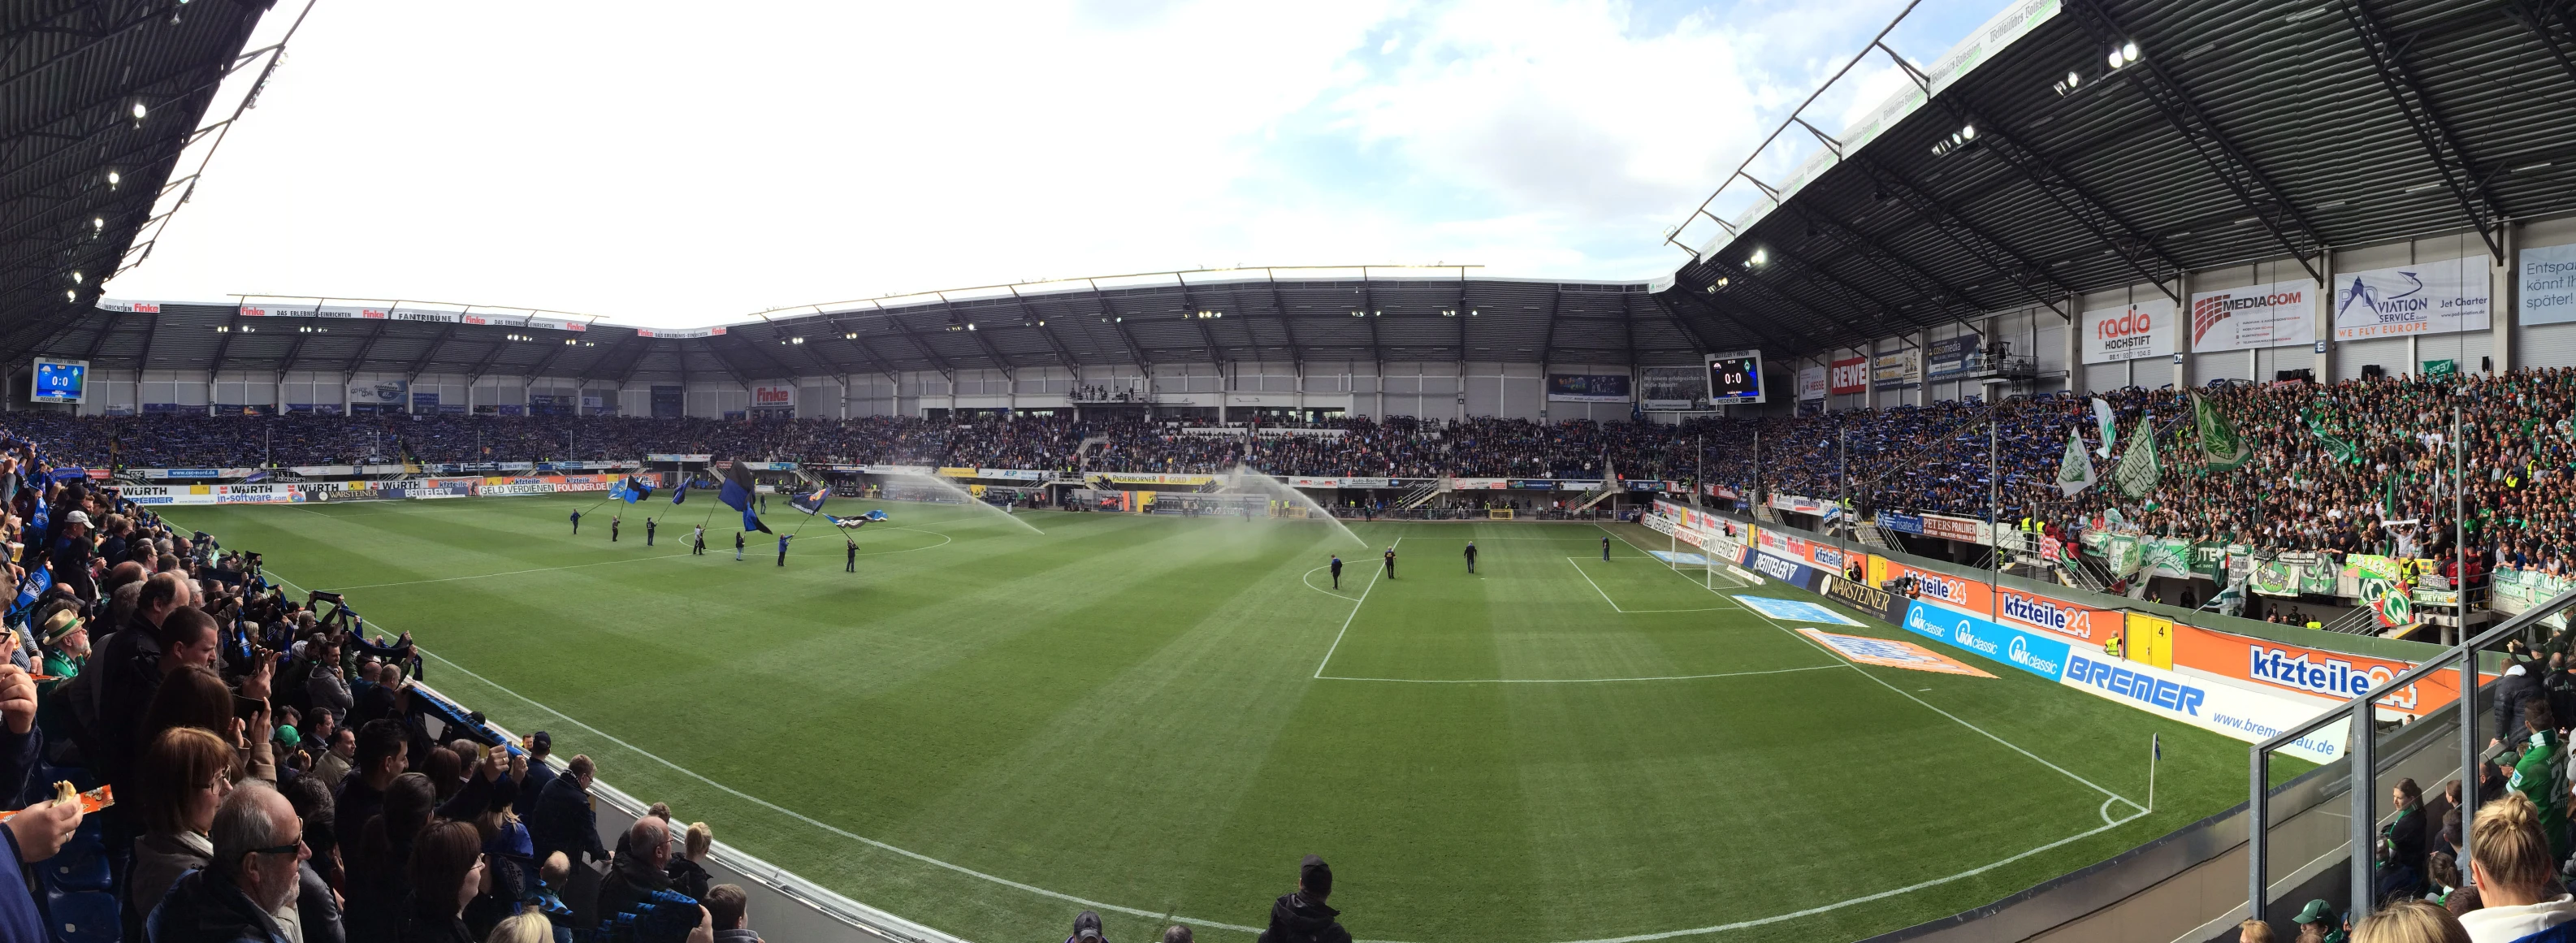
[1735,377]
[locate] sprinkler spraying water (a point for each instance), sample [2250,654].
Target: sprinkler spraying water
[1245,479]
[961,494]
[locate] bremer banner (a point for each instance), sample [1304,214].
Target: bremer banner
[2281,314]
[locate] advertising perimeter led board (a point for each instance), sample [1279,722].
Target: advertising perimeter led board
[1735,377]
[60,381]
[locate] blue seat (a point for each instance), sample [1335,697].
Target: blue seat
[82,863]
[83,917]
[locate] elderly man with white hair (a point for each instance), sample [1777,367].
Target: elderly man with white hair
[259,846]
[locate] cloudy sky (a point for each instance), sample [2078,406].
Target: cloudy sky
[668,164]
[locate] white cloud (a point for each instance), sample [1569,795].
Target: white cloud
[657,165]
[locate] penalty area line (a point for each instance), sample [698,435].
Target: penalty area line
[1239,928]
[1355,613]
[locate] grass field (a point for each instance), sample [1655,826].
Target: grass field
[985,724]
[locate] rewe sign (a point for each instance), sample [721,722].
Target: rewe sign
[2131,332]
[1851,376]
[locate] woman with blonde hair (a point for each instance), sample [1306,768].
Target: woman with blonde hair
[2515,878]
[688,870]
[524,927]
[2412,921]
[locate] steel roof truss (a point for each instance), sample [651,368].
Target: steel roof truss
[2441,145]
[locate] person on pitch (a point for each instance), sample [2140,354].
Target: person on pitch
[1471,557]
[737,546]
[648,532]
[1605,549]
[1337,571]
[782,548]
[576,522]
[698,541]
[613,521]
[850,564]
[1390,561]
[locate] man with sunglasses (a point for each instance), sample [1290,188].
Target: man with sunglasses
[259,847]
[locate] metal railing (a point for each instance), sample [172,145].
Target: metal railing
[2362,755]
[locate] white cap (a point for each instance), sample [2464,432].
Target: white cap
[77,517]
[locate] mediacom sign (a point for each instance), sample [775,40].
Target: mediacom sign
[2281,314]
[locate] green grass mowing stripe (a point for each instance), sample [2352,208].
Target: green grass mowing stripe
[1080,715]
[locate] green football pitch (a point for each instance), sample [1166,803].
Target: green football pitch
[986,729]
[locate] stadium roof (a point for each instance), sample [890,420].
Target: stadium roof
[2242,132]
[90,89]
[1279,315]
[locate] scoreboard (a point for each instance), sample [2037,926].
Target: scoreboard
[1735,377]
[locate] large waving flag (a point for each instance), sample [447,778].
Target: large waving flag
[737,493]
[877,516]
[637,489]
[680,492]
[810,502]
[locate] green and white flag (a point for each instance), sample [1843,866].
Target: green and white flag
[2139,470]
[2102,418]
[2337,449]
[2218,438]
[2075,473]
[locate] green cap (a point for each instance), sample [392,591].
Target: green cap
[2315,910]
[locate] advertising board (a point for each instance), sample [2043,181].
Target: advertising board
[2129,332]
[2281,314]
[1898,371]
[1588,387]
[1673,389]
[2032,611]
[1811,383]
[514,488]
[2321,674]
[2218,708]
[2428,298]
[1951,356]
[2038,654]
[1785,570]
[1850,375]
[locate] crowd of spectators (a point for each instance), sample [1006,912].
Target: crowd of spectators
[2302,490]
[253,767]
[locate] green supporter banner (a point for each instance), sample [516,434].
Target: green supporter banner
[2166,556]
[2123,555]
[2209,562]
[2517,591]
[2275,578]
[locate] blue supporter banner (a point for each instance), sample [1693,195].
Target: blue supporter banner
[1900,523]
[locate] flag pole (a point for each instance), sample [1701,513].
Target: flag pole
[2155,754]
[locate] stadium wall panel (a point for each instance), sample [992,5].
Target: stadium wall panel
[2388,352]
[2224,365]
[2152,372]
[2545,345]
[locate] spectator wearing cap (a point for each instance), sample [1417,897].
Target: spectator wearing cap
[71,553]
[2317,923]
[66,640]
[540,773]
[1303,916]
[1086,929]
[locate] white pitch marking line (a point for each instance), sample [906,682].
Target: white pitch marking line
[1729,674]
[1355,613]
[1308,578]
[1775,623]
[1135,912]
[1596,587]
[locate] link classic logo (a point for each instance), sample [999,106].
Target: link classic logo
[2039,613]
[2339,679]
